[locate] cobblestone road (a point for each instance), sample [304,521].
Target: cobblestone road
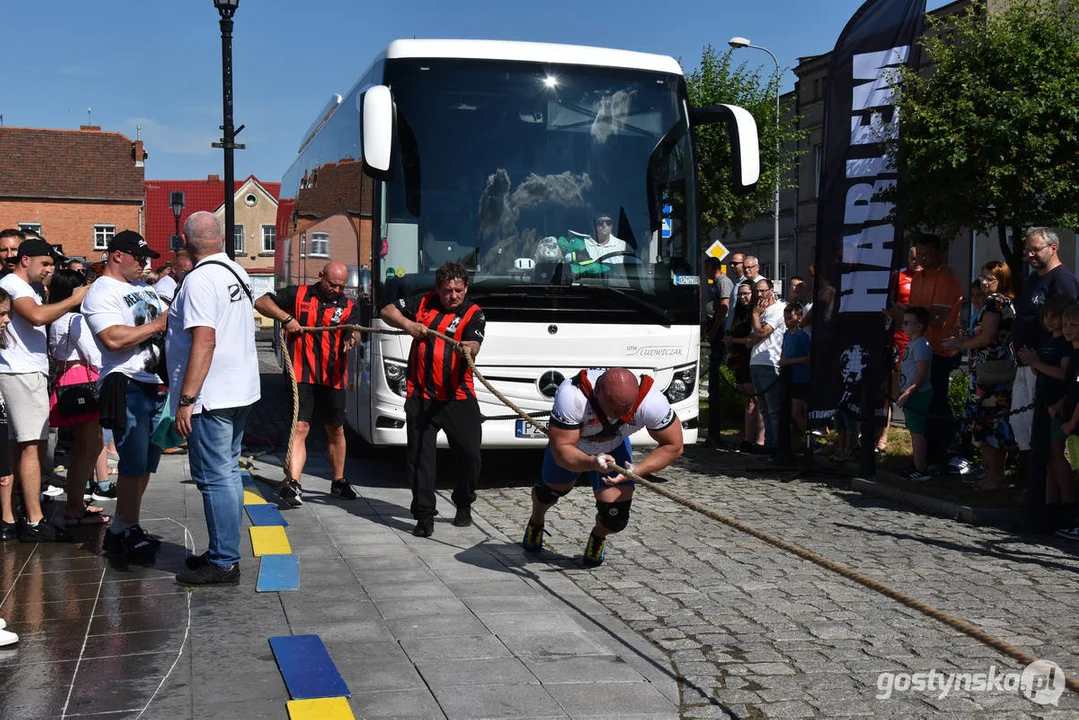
[756,632]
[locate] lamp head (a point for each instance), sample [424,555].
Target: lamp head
[226,7]
[738,42]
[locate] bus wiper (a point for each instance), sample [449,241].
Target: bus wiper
[636,300]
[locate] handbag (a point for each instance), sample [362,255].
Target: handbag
[995,372]
[76,398]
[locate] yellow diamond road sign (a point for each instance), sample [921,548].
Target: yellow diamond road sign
[718,250]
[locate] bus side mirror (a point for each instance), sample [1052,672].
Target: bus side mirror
[378,131]
[745,148]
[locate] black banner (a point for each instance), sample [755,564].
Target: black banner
[856,247]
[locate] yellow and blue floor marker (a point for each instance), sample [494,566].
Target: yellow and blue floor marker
[265,514]
[278,573]
[269,540]
[306,666]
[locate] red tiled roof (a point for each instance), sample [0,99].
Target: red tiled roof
[208,195]
[41,163]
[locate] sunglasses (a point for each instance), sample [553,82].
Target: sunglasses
[604,221]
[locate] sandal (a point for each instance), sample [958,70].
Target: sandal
[90,517]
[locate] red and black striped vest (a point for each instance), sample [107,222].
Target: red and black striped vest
[319,358]
[610,430]
[435,371]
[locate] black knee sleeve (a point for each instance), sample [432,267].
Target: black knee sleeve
[547,494]
[613,516]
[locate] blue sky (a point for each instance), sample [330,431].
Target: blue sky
[157,63]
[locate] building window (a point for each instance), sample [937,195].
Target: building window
[238,236]
[102,235]
[34,228]
[818,169]
[269,238]
[251,200]
[320,244]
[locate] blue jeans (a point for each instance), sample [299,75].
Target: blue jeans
[214,453]
[766,385]
[139,456]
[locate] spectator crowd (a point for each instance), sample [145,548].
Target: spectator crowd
[1021,406]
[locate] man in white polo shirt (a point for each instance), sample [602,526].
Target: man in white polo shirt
[214,376]
[768,331]
[24,378]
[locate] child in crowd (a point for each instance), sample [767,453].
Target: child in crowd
[1067,411]
[796,344]
[1050,363]
[915,390]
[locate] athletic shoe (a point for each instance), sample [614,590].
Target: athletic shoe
[919,476]
[594,551]
[144,536]
[8,531]
[425,527]
[533,540]
[291,493]
[133,543]
[1069,534]
[463,518]
[6,636]
[959,465]
[210,574]
[44,531]
[343,490]
[113,543]
[102,491]
[52,491]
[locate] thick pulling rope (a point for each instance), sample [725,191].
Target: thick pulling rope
[840,569]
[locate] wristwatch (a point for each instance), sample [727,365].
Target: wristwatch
[186,400]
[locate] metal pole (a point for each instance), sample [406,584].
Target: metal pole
[775,207]
[229,137]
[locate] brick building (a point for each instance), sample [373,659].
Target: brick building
[77,188]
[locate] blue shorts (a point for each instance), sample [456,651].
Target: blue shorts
[139,456]
[554,474]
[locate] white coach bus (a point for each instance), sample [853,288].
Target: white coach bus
[505,156]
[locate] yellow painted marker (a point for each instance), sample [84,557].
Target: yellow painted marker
[334,708]
[269,540]
[253,498]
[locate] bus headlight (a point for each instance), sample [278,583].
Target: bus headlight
[682,384]
[396,376]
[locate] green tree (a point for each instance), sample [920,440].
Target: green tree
[717,81]
[989,135]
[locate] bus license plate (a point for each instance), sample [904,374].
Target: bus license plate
[526,429]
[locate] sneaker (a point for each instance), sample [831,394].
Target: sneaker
[8,531]
[210,574]
[343,490]
[463,518]
[1069,534]
[594,551]
[959,465]
[920,476]
[533,540]
[133,543]
[425,527]
[102,491]
[196,561]
[291,493]
[144,536]
[44,531]
[6,636]
[113,543]
[52,491]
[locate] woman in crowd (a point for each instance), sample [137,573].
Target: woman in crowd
[990,341]
[739,341]
[78,360]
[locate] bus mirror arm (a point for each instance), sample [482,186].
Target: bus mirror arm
[745,147]
[379,118]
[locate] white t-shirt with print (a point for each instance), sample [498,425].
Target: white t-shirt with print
[768,350]
[70,340]
[166,288]
[27,345]
[572,411]
[111,302]
[211,296]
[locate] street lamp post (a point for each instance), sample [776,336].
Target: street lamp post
[228,140]
[176,200]
[741,42]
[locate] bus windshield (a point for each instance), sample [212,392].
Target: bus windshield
[563,189]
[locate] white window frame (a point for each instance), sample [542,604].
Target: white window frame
[268,231]
[30,228]
[103,232]
[238,239]
[320,244]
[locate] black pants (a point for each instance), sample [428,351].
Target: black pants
[941,425]
[460,419]
[717,354]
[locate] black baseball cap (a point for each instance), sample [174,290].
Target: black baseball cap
[133,244]
[36,247]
